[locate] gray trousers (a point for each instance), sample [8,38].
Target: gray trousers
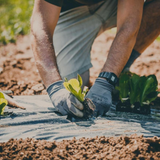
[75,33]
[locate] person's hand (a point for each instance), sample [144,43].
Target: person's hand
[64,102]
[100,95]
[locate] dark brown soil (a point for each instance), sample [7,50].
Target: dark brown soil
[18,71]
[113,148]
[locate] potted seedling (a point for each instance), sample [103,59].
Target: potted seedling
[136,93]
[75,87]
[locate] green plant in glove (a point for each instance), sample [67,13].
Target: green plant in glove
[74,86]
[3,103]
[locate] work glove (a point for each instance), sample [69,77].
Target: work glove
[64,102]
[100,95]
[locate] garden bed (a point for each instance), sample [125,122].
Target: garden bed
[39,121]
[126,107]
[18,73]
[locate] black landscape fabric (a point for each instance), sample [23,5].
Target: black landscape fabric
[40,122]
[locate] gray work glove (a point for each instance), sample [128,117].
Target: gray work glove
[100,95]
[64,102]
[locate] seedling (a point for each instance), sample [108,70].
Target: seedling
[136,89]
[3,103]
[75,87]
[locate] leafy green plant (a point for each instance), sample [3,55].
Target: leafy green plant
[74,86]
[138,89]
[124,86]
[148,92]
[3,103]
[134,88]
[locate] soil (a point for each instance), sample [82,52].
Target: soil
[18,72]
[126,107]
[126,148]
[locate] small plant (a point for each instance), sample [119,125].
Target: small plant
[74,86]
[3,103]
[136,89]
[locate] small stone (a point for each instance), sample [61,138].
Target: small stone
[23,57]
[13,63]
[134,148]
[37,88]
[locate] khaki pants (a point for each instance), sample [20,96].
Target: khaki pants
[75,33]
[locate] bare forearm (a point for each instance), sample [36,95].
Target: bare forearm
[119,53]
[45,57]
[150,26]
[129,16]
[43,22]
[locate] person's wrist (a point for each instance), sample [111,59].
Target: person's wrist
[51,80]
[109,77]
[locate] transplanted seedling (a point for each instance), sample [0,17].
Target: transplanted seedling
[3,103]
[75,87]
[136,89]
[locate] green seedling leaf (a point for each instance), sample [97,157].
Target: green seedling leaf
[74,83]
[2,95]
[85,90]
[134,89]
[150,97]
[139,89]
[3,103]
[148,90]
[75,93]
[66,85]
[65,79]
[80,94]
[124,87]
[142,84]
[74,86]
[80,80]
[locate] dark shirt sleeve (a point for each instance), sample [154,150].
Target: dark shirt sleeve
[56,2]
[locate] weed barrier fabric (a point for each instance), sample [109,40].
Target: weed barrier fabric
[39,121]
